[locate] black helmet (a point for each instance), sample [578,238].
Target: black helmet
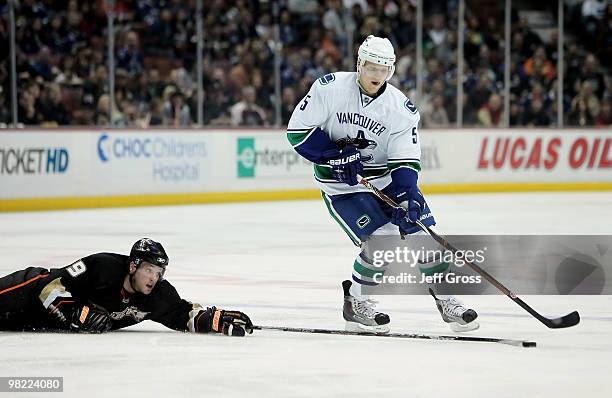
[148,250]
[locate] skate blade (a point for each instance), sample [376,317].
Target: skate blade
[358,327]
[468,327]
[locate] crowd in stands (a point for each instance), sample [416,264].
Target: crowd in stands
[62,60]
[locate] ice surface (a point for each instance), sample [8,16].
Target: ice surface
[282,263]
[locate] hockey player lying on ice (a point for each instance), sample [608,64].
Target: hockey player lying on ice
[108,291]
[353,124]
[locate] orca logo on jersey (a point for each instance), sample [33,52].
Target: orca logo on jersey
[359,142]
[410,106]
[367,158]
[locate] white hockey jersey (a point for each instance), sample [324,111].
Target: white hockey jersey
[384,129]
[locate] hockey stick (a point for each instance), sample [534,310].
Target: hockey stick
[566,321]
[517,343]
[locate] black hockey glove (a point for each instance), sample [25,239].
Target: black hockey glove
[231,323]
[90,318]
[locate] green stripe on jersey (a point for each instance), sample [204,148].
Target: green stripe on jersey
[414,165]
[324,172]
[297,137]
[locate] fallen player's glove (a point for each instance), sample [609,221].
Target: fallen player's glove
[231,323]
[347,165]
[90,318]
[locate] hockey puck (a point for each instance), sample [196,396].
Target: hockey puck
[529,343]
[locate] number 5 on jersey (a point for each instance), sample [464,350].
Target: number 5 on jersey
[303,106]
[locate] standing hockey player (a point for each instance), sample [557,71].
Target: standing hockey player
[352,124]
[108,291]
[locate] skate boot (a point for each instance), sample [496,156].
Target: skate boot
[360,314]
[459,318]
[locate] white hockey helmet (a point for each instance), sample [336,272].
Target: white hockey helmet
[376,50]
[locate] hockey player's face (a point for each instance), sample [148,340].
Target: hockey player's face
[373,76]
[145,277]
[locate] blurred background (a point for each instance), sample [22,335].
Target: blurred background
[179,63]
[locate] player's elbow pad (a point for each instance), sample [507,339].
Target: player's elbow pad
[317,147]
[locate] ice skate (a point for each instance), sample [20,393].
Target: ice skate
[459,318]
[360,314]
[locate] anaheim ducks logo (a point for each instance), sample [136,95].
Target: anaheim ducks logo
[131,312]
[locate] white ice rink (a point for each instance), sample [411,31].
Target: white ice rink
[282,263]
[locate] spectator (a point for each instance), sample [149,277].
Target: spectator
[536,115]
[333,19]
[215,111]
[491,113]
[156,112]
[539,59]
[516,114]
[135,116]
[29,105]
[477,97]
[587,96]
[605,114]
[176,112]
[590,72]
[240,74]
[288,104]
[405,28]
[102,112]
[580,115]
[52,108]
[529,40]
[129,56]
[289,35]
[247,112]
[437,117]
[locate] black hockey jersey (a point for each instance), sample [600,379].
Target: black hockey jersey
[25,296]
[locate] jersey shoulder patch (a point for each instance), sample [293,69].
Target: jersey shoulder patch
[410,106]
[326,79]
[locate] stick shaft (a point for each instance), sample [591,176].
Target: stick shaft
[518,343]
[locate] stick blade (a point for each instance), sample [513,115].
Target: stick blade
[566,321]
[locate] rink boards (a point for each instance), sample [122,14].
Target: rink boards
[54,169]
